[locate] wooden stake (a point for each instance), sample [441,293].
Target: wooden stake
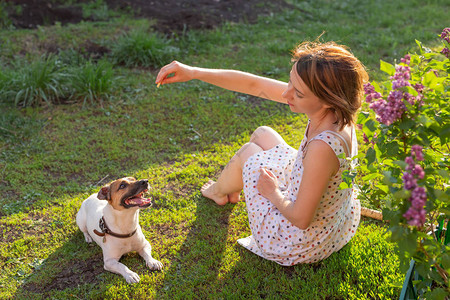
[374,214]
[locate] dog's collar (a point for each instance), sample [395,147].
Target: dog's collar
[105,230]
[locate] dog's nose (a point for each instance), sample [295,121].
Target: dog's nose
[144,182]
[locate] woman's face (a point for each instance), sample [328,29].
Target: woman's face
[299,96]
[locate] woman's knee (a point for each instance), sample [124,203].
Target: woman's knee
[265,137]
[248,150]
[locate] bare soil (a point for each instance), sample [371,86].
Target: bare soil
[170,15]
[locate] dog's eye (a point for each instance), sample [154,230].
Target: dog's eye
[122,186]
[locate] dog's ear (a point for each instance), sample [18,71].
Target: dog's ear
[104,193]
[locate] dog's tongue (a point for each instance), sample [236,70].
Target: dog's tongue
[138,201]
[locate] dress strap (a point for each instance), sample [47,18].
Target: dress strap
[343,139]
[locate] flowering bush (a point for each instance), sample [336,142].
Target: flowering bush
[406,166]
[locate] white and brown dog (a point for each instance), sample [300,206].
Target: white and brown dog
[111,219]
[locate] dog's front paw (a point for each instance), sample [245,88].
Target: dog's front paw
[154,264]
[132,277]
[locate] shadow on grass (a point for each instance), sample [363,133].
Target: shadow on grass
[365,268]
[70,267]
[198,260]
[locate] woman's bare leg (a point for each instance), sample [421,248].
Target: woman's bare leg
[266,138]
[230,183]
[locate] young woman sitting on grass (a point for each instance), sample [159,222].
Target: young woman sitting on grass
[296,211]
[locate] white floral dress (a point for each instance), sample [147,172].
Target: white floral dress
[337,216]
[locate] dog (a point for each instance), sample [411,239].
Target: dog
[111,219]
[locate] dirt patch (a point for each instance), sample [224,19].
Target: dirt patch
[77,273]
[170,15]
[31,13]
[34,224]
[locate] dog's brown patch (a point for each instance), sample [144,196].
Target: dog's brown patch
[120,190]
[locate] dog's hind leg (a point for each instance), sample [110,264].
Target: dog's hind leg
[81,222]
[146,253]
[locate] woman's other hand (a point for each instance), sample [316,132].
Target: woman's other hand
[267,185]
[180,72]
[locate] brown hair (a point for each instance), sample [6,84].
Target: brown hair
[334,75]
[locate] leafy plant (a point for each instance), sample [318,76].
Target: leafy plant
[407,166]
[96,10]
[92,82]
[5,21]
[34,84]
[140,48]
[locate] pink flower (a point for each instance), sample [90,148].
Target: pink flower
[416,213]
[406,59]
[417,152]
[445,35]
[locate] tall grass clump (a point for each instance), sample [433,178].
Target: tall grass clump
[139,48]
[92,82]
[35,83]
[5,21]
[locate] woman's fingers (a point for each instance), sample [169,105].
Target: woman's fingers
[268,172]
[166,70]
[180,73]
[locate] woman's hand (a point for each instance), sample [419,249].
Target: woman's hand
[181,73]
[267,185]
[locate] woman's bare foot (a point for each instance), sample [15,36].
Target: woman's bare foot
[234,197]
[209,191]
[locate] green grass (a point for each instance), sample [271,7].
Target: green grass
[178,136]
[92,81]
[143,48]
[35,83]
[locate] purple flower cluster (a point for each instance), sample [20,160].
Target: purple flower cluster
[366,139]
[390,110]
[415,215]
[445,35]
[406,60]
[446,52]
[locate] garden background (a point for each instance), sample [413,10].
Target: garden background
[83,110]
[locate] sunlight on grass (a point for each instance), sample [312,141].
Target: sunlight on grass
[177,136]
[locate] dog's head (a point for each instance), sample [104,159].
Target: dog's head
[126,193]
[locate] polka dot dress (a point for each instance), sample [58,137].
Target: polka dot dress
[273,236]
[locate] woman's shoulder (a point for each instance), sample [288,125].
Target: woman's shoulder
[340,141]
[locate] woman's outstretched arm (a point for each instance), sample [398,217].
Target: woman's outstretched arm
[233,80]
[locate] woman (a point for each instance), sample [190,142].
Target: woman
[296,211]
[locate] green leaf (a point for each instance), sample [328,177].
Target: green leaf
[420,46]
[407,124]
[370,124]
[444,173]
[371,176]
[432,81]
[344,185]
[402,194]
[402,164]
[445,133]
[411,90]
[425,120]
[437,294]
[362,116]
[370,156]
[446,261]
[383,188]
[392,149]
[387,68]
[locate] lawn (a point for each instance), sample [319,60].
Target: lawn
[52,157]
